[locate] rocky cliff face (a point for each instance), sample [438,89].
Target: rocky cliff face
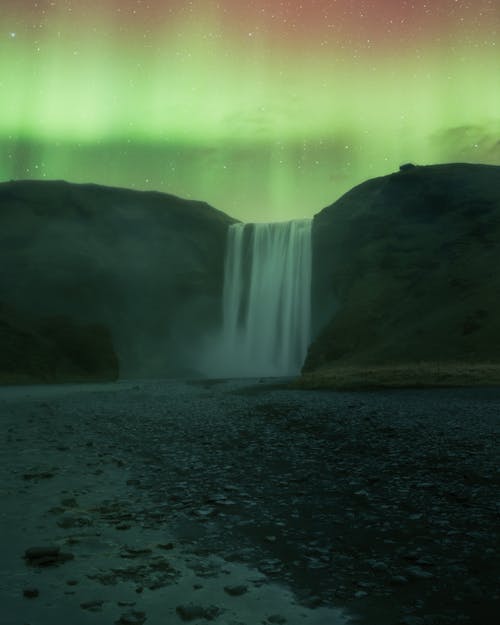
[405,270]
[55,349]
[149,266]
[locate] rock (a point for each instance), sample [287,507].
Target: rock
[132,617]
[92,606]
[31,593]
[236,591]
[416,572]
[191,611]
[377,565]
[69,502]
[165,546]
[204,512]
[362,493]
[313,601]
[412,620]
[276,619]
[398,580]
[360,594]
[133,552]
[46,556]
[71,519]
[38,475]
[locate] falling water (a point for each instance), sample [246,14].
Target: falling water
[267,293]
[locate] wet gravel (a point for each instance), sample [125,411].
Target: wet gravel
[386,503]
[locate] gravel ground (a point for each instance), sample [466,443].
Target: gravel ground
[383,504]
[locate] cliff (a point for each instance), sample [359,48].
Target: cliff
[405,278]
[148,266]
[36,351]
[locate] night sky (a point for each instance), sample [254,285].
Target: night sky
[268,110]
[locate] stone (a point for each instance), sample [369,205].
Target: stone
[406,166]
[71,519]
[133,552]
[190,612]
[132,617]
[417,572]
[362,493]
[35,553]
[412,620]
[38,475]
[69,502]
[398,580]
[377,565]
[46,556]
[276,619]
[236,591]
[165,546]
[31,593]
[92,606]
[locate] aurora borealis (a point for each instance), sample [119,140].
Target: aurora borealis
[267,110]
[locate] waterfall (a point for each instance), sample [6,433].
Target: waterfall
[266,300]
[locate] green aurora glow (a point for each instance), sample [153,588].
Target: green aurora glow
[258,128]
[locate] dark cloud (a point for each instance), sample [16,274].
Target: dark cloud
[475,143]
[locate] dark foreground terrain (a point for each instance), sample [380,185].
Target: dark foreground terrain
[242,503]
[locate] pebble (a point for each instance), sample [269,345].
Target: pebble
[377,565]
[71,519]
[412,620]
[46,556]
[191,611]
[416,572]
[276,619]
[360,594]
[398,580]
[92,606]
[132,617]
[236,591]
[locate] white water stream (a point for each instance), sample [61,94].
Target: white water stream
[267,301]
